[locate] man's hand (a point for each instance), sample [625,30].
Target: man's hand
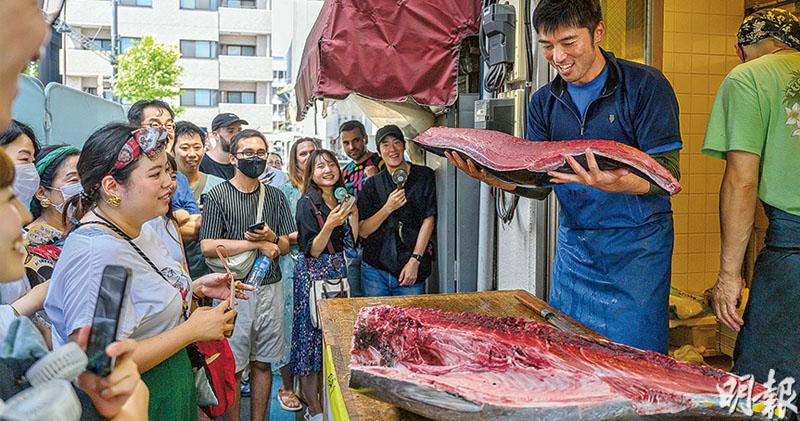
[370,171]
[264,234]
[269,249]
[607,181]
[408,276]
[724,298]
[472,170]
[397,199]
[109,394]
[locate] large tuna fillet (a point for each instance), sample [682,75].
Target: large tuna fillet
[526,163]
[446,365]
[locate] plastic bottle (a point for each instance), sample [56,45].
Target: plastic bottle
[260,269]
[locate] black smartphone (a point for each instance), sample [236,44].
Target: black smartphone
[256,226]
[113,288]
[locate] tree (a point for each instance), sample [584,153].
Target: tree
[148,70]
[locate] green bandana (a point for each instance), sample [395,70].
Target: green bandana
[42,164]
[770,23]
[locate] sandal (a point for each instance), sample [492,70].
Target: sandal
[288,400]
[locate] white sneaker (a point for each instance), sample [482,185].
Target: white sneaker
[318,417]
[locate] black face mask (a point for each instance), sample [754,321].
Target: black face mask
[252,167]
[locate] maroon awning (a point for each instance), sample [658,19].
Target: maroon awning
[386,49]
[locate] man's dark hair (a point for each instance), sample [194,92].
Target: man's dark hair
[136,113]
[187,128]
[244,134]
[352,125]
[553,14]
[15,130]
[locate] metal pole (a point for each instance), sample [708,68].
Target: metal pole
[114,44]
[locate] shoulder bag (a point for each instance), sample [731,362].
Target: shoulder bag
[324,288]
[240,264]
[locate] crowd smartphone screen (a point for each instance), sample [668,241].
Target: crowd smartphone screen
[113,288]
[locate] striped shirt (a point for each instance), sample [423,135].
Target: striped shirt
[227,212]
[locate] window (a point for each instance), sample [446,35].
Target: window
[240,97]
[239,4]
[103,44]
[198,49]
[199,98]
[125,43]
[199,4]
[279,109]
[90,91]
[279,74]
[239,50]
[138,3]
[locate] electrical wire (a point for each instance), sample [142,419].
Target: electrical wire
[505,211]
[495,78]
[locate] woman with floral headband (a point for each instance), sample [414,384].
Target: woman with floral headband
[124,174]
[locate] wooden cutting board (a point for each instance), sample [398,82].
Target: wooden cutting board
[338,317]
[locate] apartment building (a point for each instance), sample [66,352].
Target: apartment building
[225,52]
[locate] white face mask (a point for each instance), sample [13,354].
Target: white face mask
[26,181]
[68,191]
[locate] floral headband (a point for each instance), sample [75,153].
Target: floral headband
[150,141]
[774,23]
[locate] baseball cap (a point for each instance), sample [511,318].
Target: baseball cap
[225,120]
[390,129]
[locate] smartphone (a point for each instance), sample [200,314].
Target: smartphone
[256,226]
[113,289]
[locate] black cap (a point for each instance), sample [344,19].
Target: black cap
[390,129]
[225,120]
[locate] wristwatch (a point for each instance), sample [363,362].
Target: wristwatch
[417,256]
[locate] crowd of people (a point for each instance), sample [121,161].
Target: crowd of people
[163,198]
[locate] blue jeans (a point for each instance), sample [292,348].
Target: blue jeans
[354,275]
[379,283]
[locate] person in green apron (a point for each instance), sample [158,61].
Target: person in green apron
[613,259]
[755,126]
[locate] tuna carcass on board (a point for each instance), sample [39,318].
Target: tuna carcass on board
[447,366]
[526,163]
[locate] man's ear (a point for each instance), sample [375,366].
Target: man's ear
[599,32]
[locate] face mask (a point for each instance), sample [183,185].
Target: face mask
[252,167]
[68,191]
[26,181]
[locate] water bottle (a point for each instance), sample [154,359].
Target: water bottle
[260,269]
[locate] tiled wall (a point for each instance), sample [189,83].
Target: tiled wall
[699,39]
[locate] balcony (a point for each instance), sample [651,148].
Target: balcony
[84,63]
[88,13]
[258,115]
[245,69]
[200,73]
[245,21]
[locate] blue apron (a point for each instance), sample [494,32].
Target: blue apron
[770,337]
[616,280]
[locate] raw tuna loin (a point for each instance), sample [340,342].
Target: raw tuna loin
[446,365]
[526,163]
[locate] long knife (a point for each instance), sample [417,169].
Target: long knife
[547,314]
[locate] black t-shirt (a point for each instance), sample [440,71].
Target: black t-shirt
[403,225]
[228,212]
[308,225]
[209,166]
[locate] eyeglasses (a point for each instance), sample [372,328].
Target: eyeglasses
[156,125]
[51,10]
[149,141]
[250,154]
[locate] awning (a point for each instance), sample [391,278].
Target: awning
[390,50]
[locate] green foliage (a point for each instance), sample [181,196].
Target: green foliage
[148,70]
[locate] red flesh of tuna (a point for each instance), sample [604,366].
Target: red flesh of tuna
[513,362]
[503,152]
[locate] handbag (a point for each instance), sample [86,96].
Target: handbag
[325,288]
[240,264]
[212,361]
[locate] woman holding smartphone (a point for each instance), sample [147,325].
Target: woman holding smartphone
[126,182]
[322,226]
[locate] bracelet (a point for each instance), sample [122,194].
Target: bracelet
[196,297]
[417,257]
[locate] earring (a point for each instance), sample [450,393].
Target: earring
[45,202]
[113,200]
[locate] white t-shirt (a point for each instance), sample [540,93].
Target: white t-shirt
[11,291]
[152,305]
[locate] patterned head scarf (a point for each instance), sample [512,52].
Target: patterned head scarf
[770,23]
